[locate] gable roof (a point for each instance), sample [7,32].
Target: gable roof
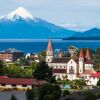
[60,60]
[20,81]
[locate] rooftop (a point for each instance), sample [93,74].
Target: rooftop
[20,81]
[10,50]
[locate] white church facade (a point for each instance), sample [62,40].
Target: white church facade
[70,67]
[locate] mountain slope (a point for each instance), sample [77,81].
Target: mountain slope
[92,34]
[20,24]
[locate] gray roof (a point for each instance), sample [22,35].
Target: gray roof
[61,60]
[10,50]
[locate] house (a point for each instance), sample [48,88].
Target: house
[10,54]
[18,83]
[72,67]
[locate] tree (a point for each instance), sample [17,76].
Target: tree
[43,53]
[13,97]
[90,96]
[23,61]
[98,95]
[29,94]
[48,97]
[98,83]
[79,83]
[97,54]
[66,92]
[1,68]
[49,92]
[43,72]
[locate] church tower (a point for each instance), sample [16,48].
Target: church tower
[87,56]
[81,62]
[49,52]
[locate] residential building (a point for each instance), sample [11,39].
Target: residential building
[10,54]
[18,83]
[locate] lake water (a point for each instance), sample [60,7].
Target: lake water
[35,46]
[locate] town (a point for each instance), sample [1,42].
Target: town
[73,73]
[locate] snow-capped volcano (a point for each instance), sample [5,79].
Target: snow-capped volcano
[20,24]
[20,12]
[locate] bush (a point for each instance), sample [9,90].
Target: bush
[49,91]
[90,96]
[66,92]
[29,94]
[98,95]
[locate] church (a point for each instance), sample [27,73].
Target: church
[80,67]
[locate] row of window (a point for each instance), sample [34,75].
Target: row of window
[14,85]
[60,66]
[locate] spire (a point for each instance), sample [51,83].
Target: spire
[81,54]
[50,48]
[87,55]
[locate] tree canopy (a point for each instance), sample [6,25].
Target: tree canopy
[43,72]
[49,92]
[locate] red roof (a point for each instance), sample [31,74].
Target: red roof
[59,71]
[96,75]
[88,72]
[87,56]
[81,54]
[20,81]
[50,48]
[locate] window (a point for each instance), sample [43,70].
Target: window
[80,70]
[71,62]
[24,85]
[3,84]
[13,84]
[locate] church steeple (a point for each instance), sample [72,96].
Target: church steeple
[50,48]
[81,62]
[49,52]
[81,56]
[87,56]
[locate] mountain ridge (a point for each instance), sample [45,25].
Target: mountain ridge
[91,34]
[20,24]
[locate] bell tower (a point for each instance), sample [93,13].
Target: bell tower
[49,52]
[87,56]
[81,62]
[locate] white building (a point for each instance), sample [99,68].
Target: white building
[72,67]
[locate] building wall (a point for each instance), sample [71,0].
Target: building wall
[60,76]
[92,81]
[9,86]
[58,65]
[11,56]
[6,56]
[72,64]
[88,66]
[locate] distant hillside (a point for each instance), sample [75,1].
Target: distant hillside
[92,34]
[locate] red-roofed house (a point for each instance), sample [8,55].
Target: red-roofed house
[19,83]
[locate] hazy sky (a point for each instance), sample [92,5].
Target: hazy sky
[77,14]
